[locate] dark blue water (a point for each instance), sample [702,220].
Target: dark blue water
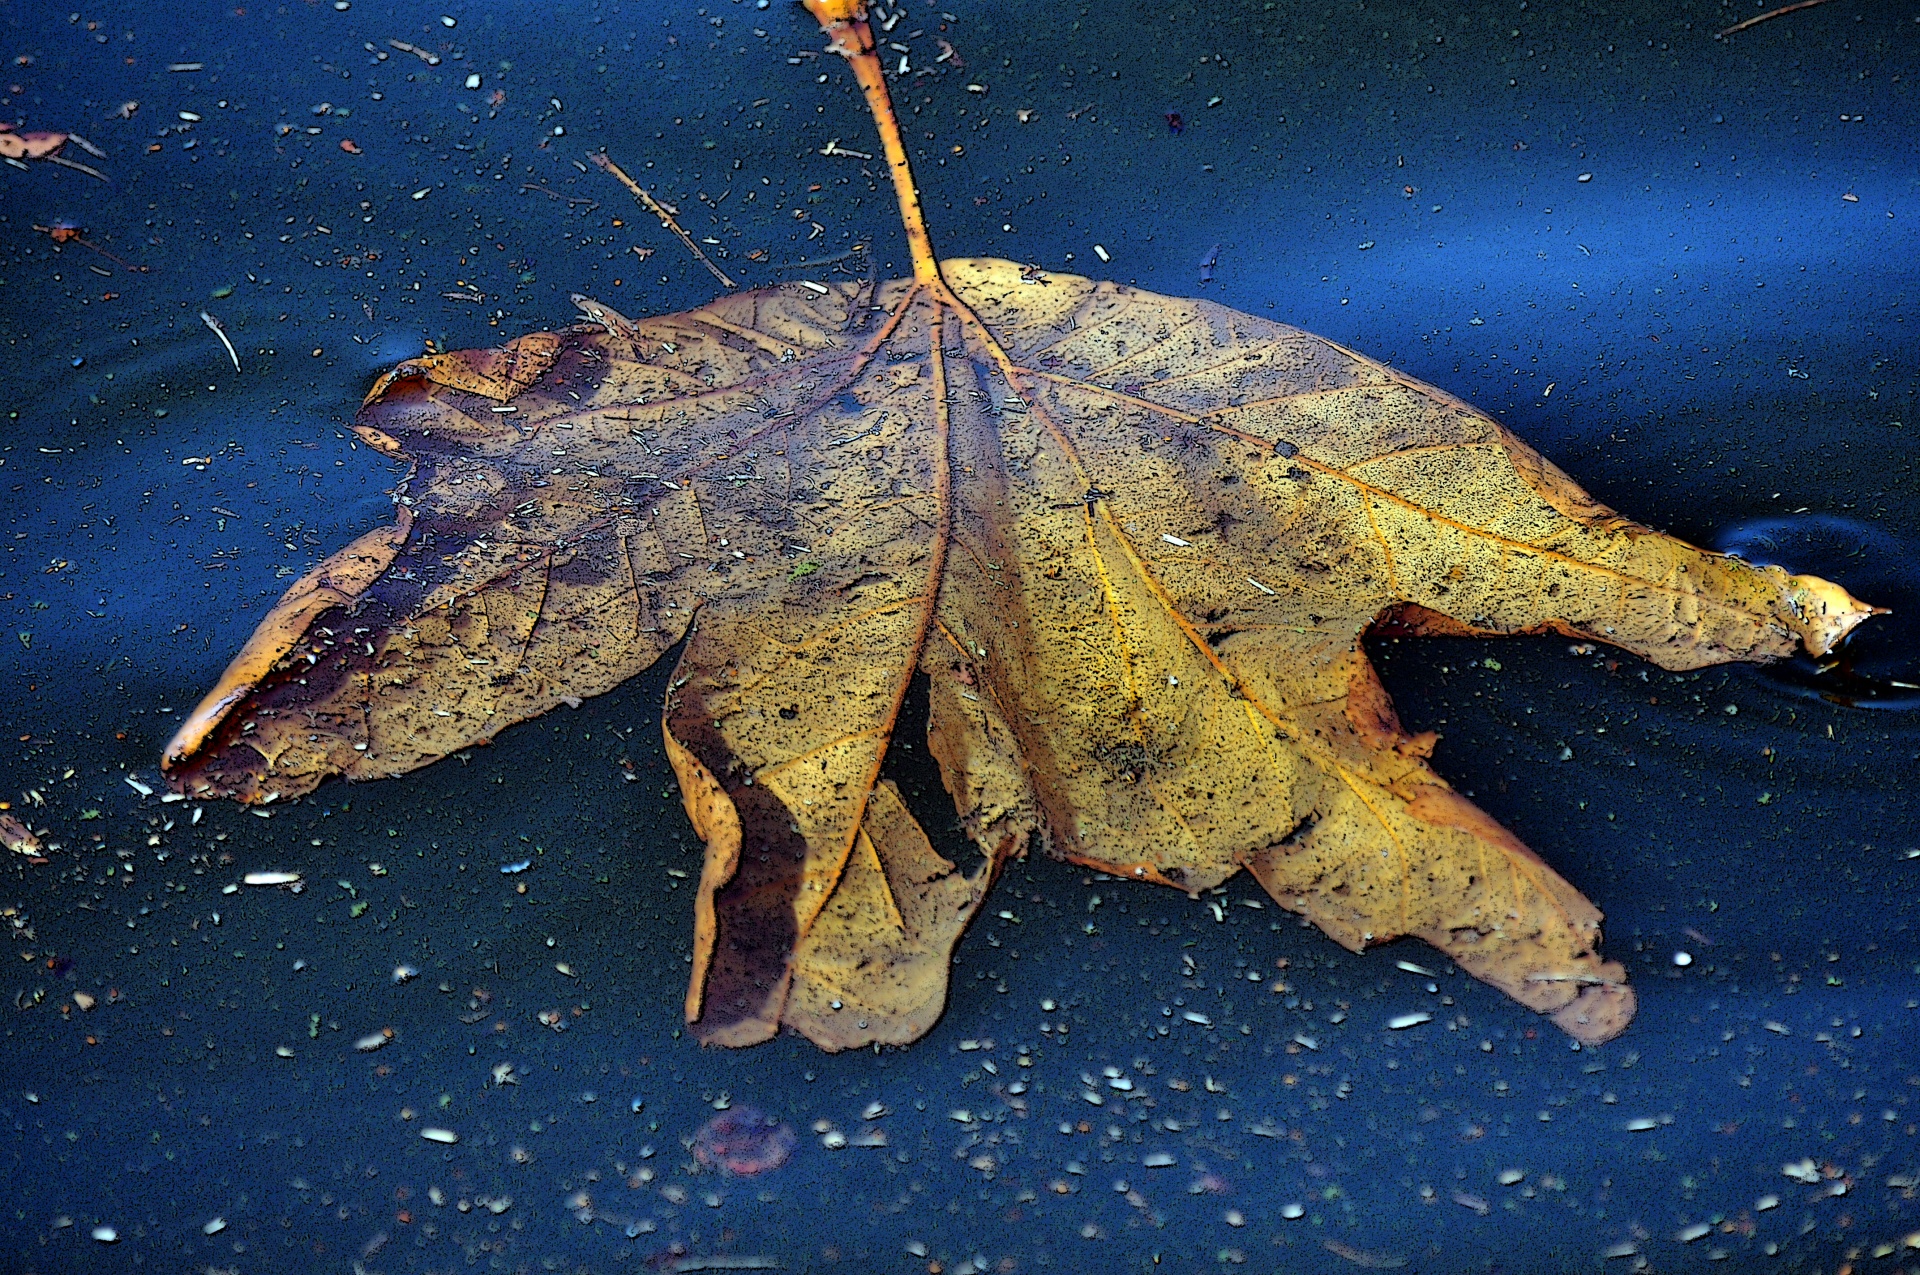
[1681,267]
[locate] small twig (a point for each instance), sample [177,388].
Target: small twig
[835,259]
[665,215]
[221,332]
[835,148]
[565,199]
[1771,13]
[79,167]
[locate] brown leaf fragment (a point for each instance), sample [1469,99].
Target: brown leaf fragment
[1132,542]
[39,145]
[17,837]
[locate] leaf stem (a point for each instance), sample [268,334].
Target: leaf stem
[845,22]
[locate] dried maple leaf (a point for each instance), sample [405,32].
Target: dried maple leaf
[1133,542]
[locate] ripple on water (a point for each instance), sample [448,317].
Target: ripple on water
[1877,666]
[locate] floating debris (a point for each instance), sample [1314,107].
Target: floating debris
[446,1137]
[1802,1171]
[105,1234]
[517,866]
[1405,1021]
[425,55]
[271,878]
[1468,1200]
[213,1226]
[405,973]
[1360,1256]
[221,332]
[743,1141]
[367,1044]
[17,837]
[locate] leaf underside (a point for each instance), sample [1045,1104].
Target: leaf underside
[1132,541]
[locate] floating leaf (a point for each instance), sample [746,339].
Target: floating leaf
[1132,542]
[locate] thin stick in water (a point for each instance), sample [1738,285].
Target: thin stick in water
[221,332]
[1771,13]
[661,211]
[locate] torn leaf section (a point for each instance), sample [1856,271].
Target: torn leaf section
[873,968]
[499,374]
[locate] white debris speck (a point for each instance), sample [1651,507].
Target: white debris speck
[834,1140]
[446,1137]
[1640,1124]
[270,878]
[1778,1029]
[1766,1202]
[1200,1019]
[1175,540]
[405,973]
[1688,1234]
[283,1051]
[367,1044]
[135,784]
[1625,1248]
[1683,959]
[1158,1160]
[1404,1021]
[1411,968]
[1510,1176]
[874,1110]
[1292,1211]
[1100,251]
[1802,1171]
[105,1234]
[214,1225]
